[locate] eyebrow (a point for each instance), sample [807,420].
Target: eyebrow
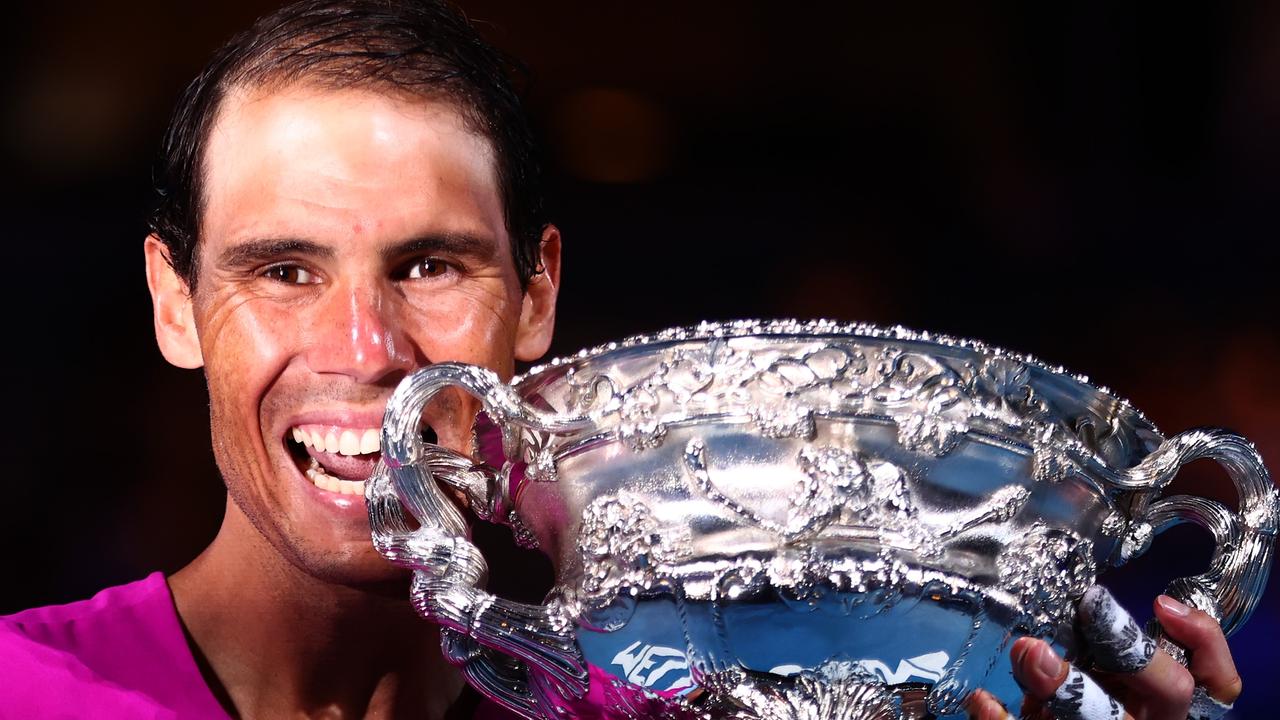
[253,252]
[258,251]
[461,244]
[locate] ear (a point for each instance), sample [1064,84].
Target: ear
[171,307]
[538,313]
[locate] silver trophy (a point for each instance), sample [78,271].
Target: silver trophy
[791,520]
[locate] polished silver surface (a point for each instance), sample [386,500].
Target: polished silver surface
[791,519]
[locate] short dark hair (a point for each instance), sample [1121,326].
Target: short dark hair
[422,48]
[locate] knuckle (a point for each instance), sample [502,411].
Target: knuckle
[1181,687]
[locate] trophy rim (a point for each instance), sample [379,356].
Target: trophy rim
[818,328]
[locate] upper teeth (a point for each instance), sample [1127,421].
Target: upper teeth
[343,441]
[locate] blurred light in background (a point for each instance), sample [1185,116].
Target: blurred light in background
[609,135]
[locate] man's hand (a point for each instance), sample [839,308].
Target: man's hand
[1131,678]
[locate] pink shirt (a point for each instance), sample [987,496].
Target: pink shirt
[122,653]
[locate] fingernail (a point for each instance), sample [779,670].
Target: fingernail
[1173,606]
[1019,652]
[1047,662]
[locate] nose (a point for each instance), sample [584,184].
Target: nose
[357,332]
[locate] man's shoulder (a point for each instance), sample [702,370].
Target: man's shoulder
[123,650]
[114,605]
[119,627]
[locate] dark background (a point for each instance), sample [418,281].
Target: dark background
[1092,184]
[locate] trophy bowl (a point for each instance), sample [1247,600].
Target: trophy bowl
[790,519]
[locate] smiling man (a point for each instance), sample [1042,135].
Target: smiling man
[347,193]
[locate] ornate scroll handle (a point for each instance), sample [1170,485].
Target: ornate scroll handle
[479,628]
[1241,561]
[402,443]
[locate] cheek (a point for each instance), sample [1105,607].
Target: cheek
[246,346]
[473,325]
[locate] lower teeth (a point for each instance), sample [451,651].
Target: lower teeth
[324,481]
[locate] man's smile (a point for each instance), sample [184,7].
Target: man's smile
[334,458]
[345,441]
[339,459]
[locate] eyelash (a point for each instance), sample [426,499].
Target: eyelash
[273,272]
[443,265]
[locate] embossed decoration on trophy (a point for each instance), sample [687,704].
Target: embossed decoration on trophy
[791,519]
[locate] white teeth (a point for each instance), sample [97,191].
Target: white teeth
[349,443]
[324,481]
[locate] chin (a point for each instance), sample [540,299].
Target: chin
[358,568]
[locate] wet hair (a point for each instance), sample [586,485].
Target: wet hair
[423,49]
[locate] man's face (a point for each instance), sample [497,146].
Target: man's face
[348,237]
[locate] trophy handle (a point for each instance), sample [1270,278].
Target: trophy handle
[495,641]
[1230,589]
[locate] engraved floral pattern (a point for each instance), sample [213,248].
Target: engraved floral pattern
[932,400]
[1047,568]
[838,690]
[538,455]
[622,545]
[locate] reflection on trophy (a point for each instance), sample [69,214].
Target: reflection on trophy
[792,520]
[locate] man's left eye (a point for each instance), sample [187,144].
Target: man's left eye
[427,268]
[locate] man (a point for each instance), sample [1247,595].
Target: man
[347,194]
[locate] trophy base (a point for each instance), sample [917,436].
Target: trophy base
[831,693]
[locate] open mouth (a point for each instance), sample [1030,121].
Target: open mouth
[339,459]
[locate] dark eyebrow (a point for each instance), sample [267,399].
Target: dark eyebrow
[254,252]
[459,244]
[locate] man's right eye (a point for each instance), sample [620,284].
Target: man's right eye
[290,274]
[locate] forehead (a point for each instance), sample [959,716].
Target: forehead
[303,161]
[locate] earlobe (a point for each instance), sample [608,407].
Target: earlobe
[538,311]
[171,307]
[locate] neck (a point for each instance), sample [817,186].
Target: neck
[276,641]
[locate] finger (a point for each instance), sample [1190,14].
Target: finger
[1126,662]
[1116,642]
[1066,692]
[982,705]
[1217,684]
[1162,689]
[1211,664]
